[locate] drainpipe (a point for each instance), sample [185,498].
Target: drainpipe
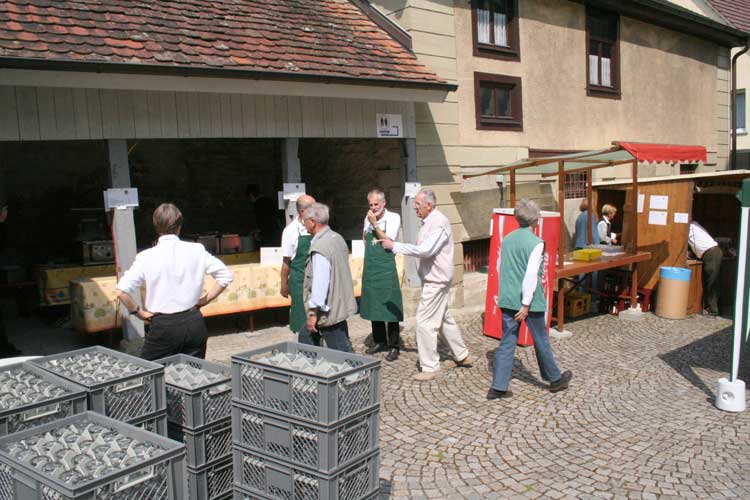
[733,98]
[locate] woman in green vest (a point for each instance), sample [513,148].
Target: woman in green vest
[295,245]
[521,299]
[381,301]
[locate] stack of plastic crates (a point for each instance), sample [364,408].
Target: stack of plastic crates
[305,424]
[89,456]
[199,397]
[30,396]
[118,385]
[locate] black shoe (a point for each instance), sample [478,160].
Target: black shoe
[493,394]
[375,349]
[392,355]
[563,383]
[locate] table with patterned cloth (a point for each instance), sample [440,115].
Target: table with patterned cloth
[94,300]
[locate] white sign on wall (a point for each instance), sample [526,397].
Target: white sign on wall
[120,198]
[389,125]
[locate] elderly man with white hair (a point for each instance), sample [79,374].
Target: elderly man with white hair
[521,298]
[327,290]
[434,249]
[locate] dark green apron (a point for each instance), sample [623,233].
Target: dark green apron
[298,313]
[381,293]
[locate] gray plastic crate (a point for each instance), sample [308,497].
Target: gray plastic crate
[241,494]
[206,444]
[274,479]
[134,390]
[159,476]
[210,482]
[322,448]
[200,406]
[326,400]
[156,423]
[23,404]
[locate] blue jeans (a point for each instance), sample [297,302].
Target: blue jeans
[506,352]
[336,336]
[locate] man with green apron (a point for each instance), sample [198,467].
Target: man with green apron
[381,300]
[295,245]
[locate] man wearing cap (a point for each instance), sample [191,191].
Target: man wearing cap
[295,245]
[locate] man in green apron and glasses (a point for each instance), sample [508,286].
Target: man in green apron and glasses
[381,300]
[295,245]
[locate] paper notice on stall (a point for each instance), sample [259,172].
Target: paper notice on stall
[657,218]
[271,256]
[292,190]
[411,189]
[358,248]
[641,202]
[658,202]
[680,218]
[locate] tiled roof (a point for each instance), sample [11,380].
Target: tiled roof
[326,38]
[736,12]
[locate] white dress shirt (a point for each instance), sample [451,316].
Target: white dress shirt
[528,287]
[320,283]
[699,239]
[389,223]
[602,228]
[290,237]
[173,272]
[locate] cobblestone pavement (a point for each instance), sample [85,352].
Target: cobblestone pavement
[637,422]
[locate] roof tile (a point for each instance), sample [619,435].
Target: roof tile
[737,12]
[314,37]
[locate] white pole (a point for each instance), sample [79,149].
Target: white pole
[739,303]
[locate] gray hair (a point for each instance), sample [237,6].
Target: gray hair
[429,195]
[377,192]
[527,212]
[317,211]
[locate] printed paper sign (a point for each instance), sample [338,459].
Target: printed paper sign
[120,198]
[292,191]
[271,256]
[680,218]
[389,125]
[658,202]
[657,218]
[358,248]
[641,202]
[411,189]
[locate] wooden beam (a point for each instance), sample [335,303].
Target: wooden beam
[561,207]
[634,284]
[589,231]
[512,189]
[592,167]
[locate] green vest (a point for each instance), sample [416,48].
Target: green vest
[514,258]
[340,299]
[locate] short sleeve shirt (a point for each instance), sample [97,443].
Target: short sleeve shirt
[389,223]
[290,237]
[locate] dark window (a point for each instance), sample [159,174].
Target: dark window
[739,107]
[576,184]
[688,168]
[495,28]
[602,58]
[498,102]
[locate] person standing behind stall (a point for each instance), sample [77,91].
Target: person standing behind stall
[604,228]
[173,272]
[521,298]
[582,232]
[381,301]
[328,290]
[295,245]
[706,249]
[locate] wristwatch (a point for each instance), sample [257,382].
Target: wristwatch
[137,308]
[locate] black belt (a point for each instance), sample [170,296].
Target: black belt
[194,308]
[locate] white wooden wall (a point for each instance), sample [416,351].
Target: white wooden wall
[47,113]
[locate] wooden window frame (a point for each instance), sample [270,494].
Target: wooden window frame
[510,53]
[613,92]
[514,123]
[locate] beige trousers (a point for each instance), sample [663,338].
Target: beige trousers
[432,317]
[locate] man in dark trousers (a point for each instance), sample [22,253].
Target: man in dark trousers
[173,272]
[328,290]
[706,249]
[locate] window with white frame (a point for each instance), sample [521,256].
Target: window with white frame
[739,109]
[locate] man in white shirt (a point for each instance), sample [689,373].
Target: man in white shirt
[381,300]
[173,272]
[295,245]
[434,249]
[706,249]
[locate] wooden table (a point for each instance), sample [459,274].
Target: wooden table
[572,268]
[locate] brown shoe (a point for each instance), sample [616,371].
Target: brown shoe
[467,362]
[493,394]
[425,376]
[562,384]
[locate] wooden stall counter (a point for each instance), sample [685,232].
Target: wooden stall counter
[94,300]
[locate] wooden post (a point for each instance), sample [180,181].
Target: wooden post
[561,245]
[589,188]
[513,188]
[123,231]
[634,284]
